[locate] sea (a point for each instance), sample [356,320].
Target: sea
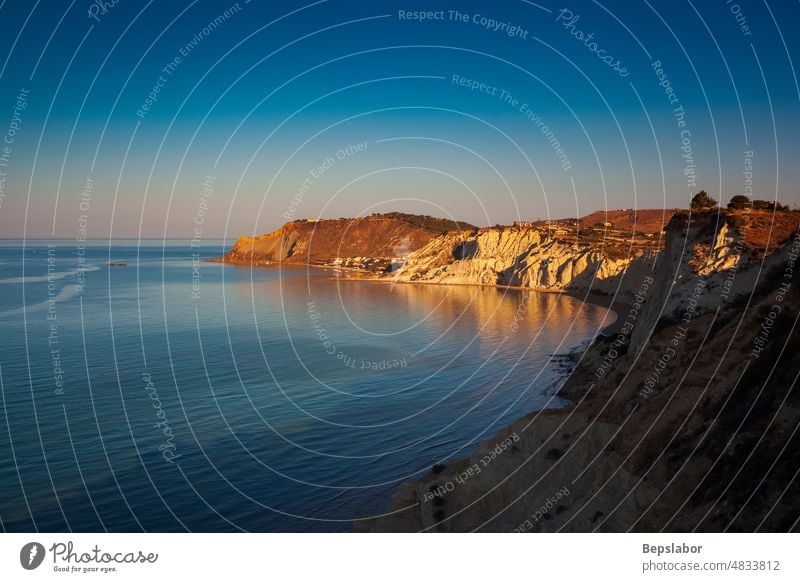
[167,393]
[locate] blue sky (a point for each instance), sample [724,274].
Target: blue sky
[261,99]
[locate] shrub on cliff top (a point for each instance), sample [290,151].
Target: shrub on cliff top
[703,200]
[740,201]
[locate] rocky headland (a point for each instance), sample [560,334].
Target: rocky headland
[370,242]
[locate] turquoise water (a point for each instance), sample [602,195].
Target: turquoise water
[175,394]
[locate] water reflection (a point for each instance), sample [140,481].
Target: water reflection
[404,335]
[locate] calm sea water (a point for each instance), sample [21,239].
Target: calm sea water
[174,395]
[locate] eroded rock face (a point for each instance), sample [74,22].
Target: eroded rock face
[723,253]
[706,263]
[521,257]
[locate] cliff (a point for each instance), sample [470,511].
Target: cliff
[384,236]
[560,255]
[684,419]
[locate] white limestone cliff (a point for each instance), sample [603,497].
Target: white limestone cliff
[522,257]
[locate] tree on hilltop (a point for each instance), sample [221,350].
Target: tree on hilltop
[703,200]
[739,201]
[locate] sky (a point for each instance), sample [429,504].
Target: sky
[210,119]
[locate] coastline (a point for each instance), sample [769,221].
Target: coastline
[418,504]
[610,302]
[648,413]
[407,510]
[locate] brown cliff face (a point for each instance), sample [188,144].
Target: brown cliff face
[322,241]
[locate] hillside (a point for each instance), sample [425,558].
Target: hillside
[321,242]
[646,220]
